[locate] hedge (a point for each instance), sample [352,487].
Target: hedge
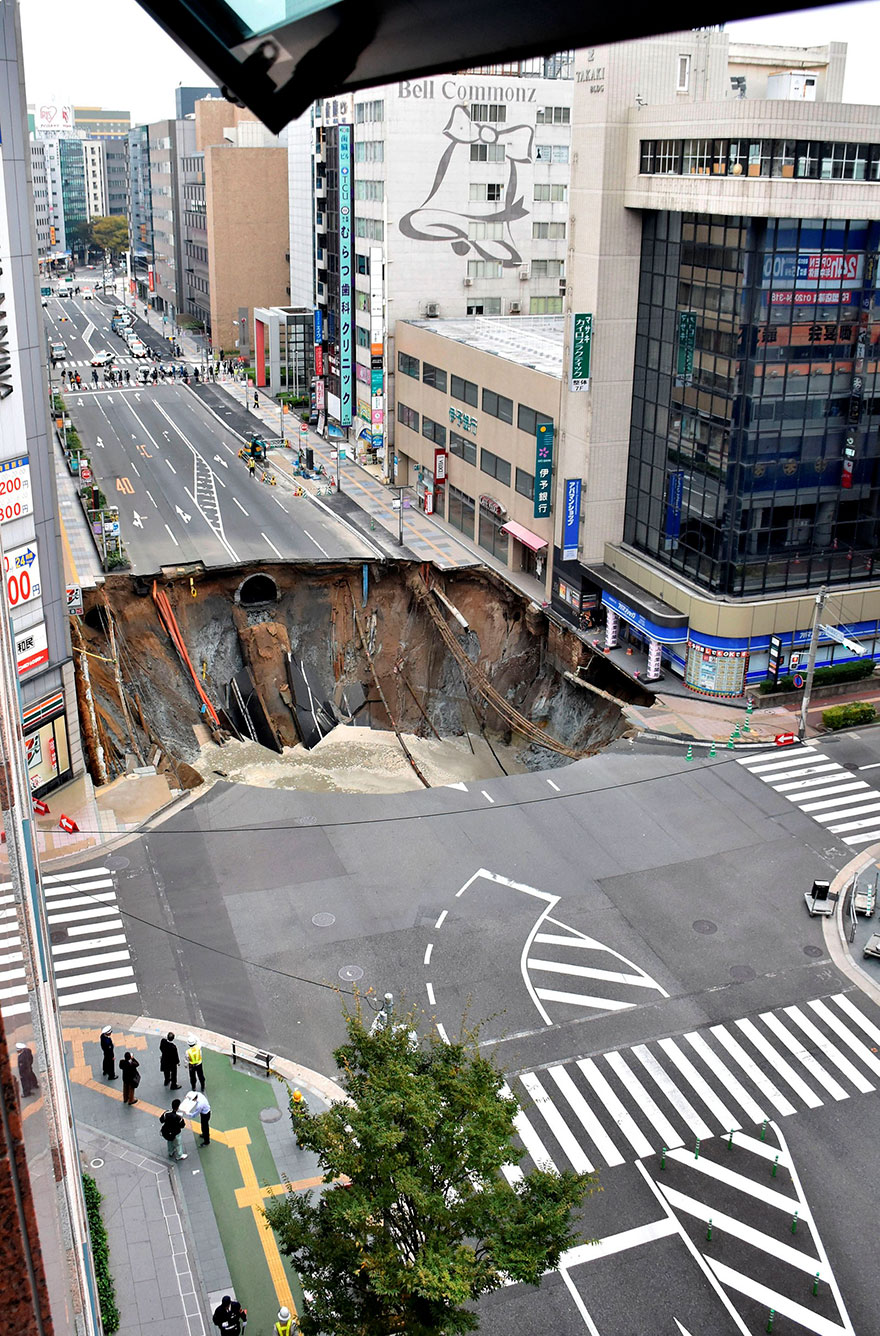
[843,716]
[101,1257]
[841,672]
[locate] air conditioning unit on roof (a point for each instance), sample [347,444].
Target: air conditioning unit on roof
[468,281]
[514,308]
[432,310]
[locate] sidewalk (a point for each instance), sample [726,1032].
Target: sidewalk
[184,1234]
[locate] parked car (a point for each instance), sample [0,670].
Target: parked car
[57,352]
[87,294]
[137,349]
[103,358]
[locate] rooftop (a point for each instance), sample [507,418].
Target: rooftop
[530,340]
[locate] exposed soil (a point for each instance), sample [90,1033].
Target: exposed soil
[378,634]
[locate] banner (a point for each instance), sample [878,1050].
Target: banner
[572,521]
[346,323]
[581,351]
[687,339]
[543,470]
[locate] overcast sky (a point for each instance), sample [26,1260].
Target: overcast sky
[109,53]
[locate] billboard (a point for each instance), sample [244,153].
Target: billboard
[572,519]
[346,285]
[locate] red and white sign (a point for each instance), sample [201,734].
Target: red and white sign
[15,489]
[439,465]
[75,600]
[22,569]
[319,360]
[68,824]
[85,473]
[151,278]
[785,739]
[31,649]
[41,808]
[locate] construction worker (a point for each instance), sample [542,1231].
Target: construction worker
[252,467]
[283,1323]
[194,1062]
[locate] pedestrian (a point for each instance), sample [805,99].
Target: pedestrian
[198,1103]
[240,1312]
[194,1061]
[252,468]
[172,1126]
[256,400]
[29,1083]
[226,1319]
[109,1065]
[95,377]
[78,380]
[155,375]
[127,377]
[169,1060]
[283,1322]
[131,1078]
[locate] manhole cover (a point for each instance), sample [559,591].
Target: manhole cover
[742,973]
[323,920]
[813,951]
[351,973]
[116,862]
[96,1164]
[270,1115]
[705,926]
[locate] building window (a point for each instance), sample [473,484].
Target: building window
[684,74]
[369,150]
[362,301]
[362,264]
[434,376]
[463,390]
[434,431]
[408,365]
[490,192]
[371,229]
[525,484]
[462,447]
[363,337]
[490,536]
[374,190]
[485,231]
[495,466]
[545,306]
[551,153]
[485,269]
[488,111]
[553,116]
[484,306]
[461,511]
[407,416]
[369,111]
[548,231]
[697,158]
[498,406]
[667,156]
[527,419]
[487,153]
[547,269]
[556,194]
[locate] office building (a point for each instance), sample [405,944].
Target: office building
[164,283]
[40,194]
[140,203]
[721,396]
[101,123]
[186,97]
[73,194]
[95,182]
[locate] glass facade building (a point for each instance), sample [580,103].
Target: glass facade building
[754,461]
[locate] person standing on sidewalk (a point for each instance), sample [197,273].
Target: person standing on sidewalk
[197,1103]
[194,1062]
[172,1128]
[169,1060]
[108,1067]
[283,1323]
[224,1319]
[131,1078]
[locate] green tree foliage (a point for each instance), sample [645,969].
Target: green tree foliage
[110,232]
[101,1257]
[422,1223]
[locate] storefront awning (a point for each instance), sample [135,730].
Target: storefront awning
[524,536]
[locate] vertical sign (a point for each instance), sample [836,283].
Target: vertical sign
[687,338]
[319,342]
[543,469]
[572,521]
[151,278]
[674,496]
[774,658]
[581,351]
[346,323]
[377,350]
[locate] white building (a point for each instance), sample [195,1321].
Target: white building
[96,183]
[39,176]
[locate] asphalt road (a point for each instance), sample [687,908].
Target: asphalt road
[631,934]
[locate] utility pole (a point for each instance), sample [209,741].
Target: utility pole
[811,662]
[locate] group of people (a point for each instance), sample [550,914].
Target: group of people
[110,374]
[230,1319]
[172,1123]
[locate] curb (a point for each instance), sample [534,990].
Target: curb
[833,929]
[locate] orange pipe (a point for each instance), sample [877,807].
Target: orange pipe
[166,616]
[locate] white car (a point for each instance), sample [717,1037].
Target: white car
[87,294]
[103,358]
[137,349]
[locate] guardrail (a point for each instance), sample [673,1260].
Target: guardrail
[852,910]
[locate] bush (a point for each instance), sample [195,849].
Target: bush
[101,1257]
[842,672]
[844,716]
[117,561]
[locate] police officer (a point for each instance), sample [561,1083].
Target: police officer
[194,1062]
[283,1323]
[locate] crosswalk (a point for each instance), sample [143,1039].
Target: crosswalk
[118,360]
[824,790]
[90,953]
[627,1104]
[574,974]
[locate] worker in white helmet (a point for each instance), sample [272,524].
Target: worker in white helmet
[194,1063]
[284,1322]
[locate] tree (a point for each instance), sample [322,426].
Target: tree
[110,232]
[79,235]
[416,1220]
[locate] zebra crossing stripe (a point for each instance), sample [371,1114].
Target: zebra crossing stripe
[624,1120]
[588,1120]
[535,1148]
[754,1113]
[783,1068]
[823,772]
[703,1089]
[737,1229]
[767,1298]
[554,1120]
[752,1070]
[583,1000]
[836,1024]
[834,1088]
[108,958]
[587,972]
[643,1100]
[672,1092]
[64,948]
[97,994]
[840,1061]
[847,801]
[854,1014]
[741,1182]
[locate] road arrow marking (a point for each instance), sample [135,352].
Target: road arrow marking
[138,520]
[218,460]
[183,515]
[99,442]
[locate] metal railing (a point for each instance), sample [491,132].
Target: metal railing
[852,910]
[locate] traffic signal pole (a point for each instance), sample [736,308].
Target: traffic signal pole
[811,663]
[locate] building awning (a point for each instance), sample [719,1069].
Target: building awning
[524,536]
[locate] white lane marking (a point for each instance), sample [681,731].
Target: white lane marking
[278,503]
[526,1133]
[96,885]
[171,466]
[441,919]
[854,1014]
[110,925]
[171,536]
[729,1225]
[767,767]
[702,1088]
[754,1113]
[803,1055]
[859,839]
[557,1124]
[240,506]
[442,1033]
[875,765]
[829,1050]
[585,1116]
[752,1070]
[274,548]
[428,950]
[583,1000]
[135,468]
[768,1298]
[668,1087]
[622,1242]
[75,900]
[852,1041]
[553,786]
[315,541]
[587,972]
[95,994]
[488,798]
[794,779]
[779,1064]
[643,1100]
[624,1120]
[742,1183]
[150,495]
[579,1304]
[430,988]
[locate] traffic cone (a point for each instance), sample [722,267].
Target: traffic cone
[712,748]
[690,754]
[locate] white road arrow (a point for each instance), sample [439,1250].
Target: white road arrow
[138,520]
[79,403]
[218,460]
[99,442]
[183,515]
